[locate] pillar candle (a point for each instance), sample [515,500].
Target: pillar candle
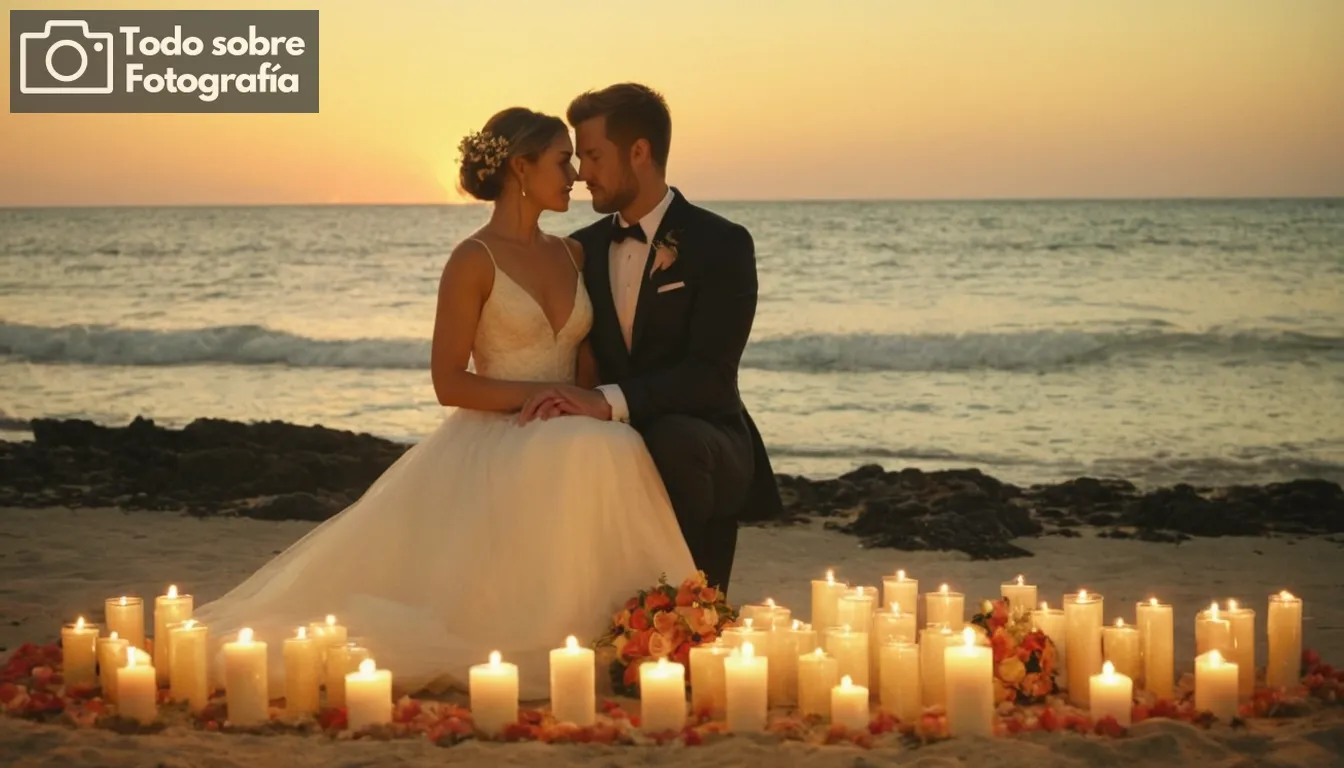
[899,674]
[818,672]
[1216,685]
[1082,619]
[850,650]
[1243,646]
[944,607]
[902,591]
[1212,631]
[894,624]
[856,610]
[368,696]
[329,634]
[170,608]
[786,646]
[767,615]
[1157,639]
[1120,646]
[662,696]
[245,680]
[1285,641]
[1021,596]
[79,652]
[1112,695]
[747,631]
[933,641]
[302,661]
[341,660]
[746,683]
[126,617]
[493,690]
[968,678]
[137,689]
[190,675]
[574,683]
[826,602]
[849,705]
[707,692]
[111,657]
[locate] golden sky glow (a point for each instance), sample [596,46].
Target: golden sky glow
[771,99]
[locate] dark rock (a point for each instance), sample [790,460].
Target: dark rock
[1102,519]
[295,506]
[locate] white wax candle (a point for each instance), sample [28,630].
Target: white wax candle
[368,696]
[901,590]
[1285,641]
[341,660]
[326,635]
[137,690]
[707,693]
[574,683]
[894,624]
[1243,646]
[245,680]
[1216,685]
[856,610]
[1120,646]
[785,647]
[849,705]
[169,609]
[190,676]
[746,682]
[1157,638]
[850,650]
[1020,595]
[1051,622]
[767,615]
[901,693]
[945,607]
[662,696]
[302,662]
[1112,695]
[1083,618]
[933,642]
[79,652]
[126,617]
[826,595]
[818,672]
[968,673]
[747,631]
[493,688]
[1212,632]
[111,657]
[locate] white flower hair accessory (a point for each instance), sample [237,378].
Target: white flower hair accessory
[485,148]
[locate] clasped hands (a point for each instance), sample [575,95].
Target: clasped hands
[565,401]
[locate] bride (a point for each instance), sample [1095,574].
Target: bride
[487,535]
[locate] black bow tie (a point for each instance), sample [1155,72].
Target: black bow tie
[619,233]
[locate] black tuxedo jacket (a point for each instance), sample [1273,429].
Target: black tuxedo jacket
[687,339]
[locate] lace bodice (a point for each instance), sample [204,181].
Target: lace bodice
[515,341]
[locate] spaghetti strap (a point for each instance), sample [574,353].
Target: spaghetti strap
[488,252]
[570,253]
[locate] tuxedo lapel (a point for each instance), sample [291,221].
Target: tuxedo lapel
[673,219]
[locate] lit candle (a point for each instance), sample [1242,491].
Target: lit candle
[1212,631]
[1285,641]
[302,663]
[968,673]
[849,705]
[341,660]
[1243,646]
[326,635]
[733,637]
[707,691]
[1157,638]
[1216,685]
[826,596]
[111,656]
[137,690]
[245,680]
[493,688]
[368,696]
[190,675]
[79,652]
[126,617]
[787,645]
[933,642]
[767,615]
[856,610]
[944,607]
[1120,646]
[1112,695]
[1082,619]
[850,650]
[662,696]
[574,683]
[1020,595]
[169,609]
[899,673]
[894,624]
[900,590]
[746,684]
[818,672]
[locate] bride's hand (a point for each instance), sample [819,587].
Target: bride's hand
[545,405]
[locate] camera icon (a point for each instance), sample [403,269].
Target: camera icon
[94,74]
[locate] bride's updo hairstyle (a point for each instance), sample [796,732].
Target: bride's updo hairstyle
[514,132]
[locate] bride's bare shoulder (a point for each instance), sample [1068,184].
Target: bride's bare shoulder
[470,263]
[574,247]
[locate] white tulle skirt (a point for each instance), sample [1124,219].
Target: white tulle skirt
[486,536]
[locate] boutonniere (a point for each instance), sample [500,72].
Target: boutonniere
[664,253]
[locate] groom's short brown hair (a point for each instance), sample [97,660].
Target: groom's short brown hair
[633,112]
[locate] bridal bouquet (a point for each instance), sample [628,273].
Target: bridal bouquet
[1024,658]
[663,622]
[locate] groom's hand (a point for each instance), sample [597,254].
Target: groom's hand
[562,401]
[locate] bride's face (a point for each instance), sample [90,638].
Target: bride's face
[550,179]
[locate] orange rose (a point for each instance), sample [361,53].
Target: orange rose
[666,622]
[638,645]
[704,620]
[657,601]
[660,645]
[632,604]
[709,594]
[639,621]
[698,580]
[685,596]
[621,620]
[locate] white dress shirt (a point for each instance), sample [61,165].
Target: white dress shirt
[626,261]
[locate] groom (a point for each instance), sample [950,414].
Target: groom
[673,288]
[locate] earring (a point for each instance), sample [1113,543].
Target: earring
[522,186]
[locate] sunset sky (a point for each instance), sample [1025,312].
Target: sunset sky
[771,99]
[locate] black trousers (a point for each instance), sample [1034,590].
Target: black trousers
[707,468]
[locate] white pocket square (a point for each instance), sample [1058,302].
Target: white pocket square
[672,286]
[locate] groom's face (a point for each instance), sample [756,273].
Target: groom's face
[604,167]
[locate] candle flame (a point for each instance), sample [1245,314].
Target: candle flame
[1108,669]
[130,656]
[943,589]
[819,652]
[770,601]
[303,633]
[662,663]
[968,636]
[797,624]
[572,643]
[1119,623]
[1215,658]
[79,623]
[367,667]
[830,576]
[846,682]
[748,651]
[1082,595]
[1152,601]
[245,635]
[1286,595]
[900,575]
[895,609]
[189,623]
[331,620]
[1231,605]
[123,599]
[494,658]
[846,629]
[1020,582]
[747,623]
[113,636]
[172,591]
[1045,606]
[1213,611]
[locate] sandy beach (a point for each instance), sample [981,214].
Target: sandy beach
[58,563]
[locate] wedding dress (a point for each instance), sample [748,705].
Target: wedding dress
[485,536]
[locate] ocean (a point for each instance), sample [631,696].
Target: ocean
[1158,341]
